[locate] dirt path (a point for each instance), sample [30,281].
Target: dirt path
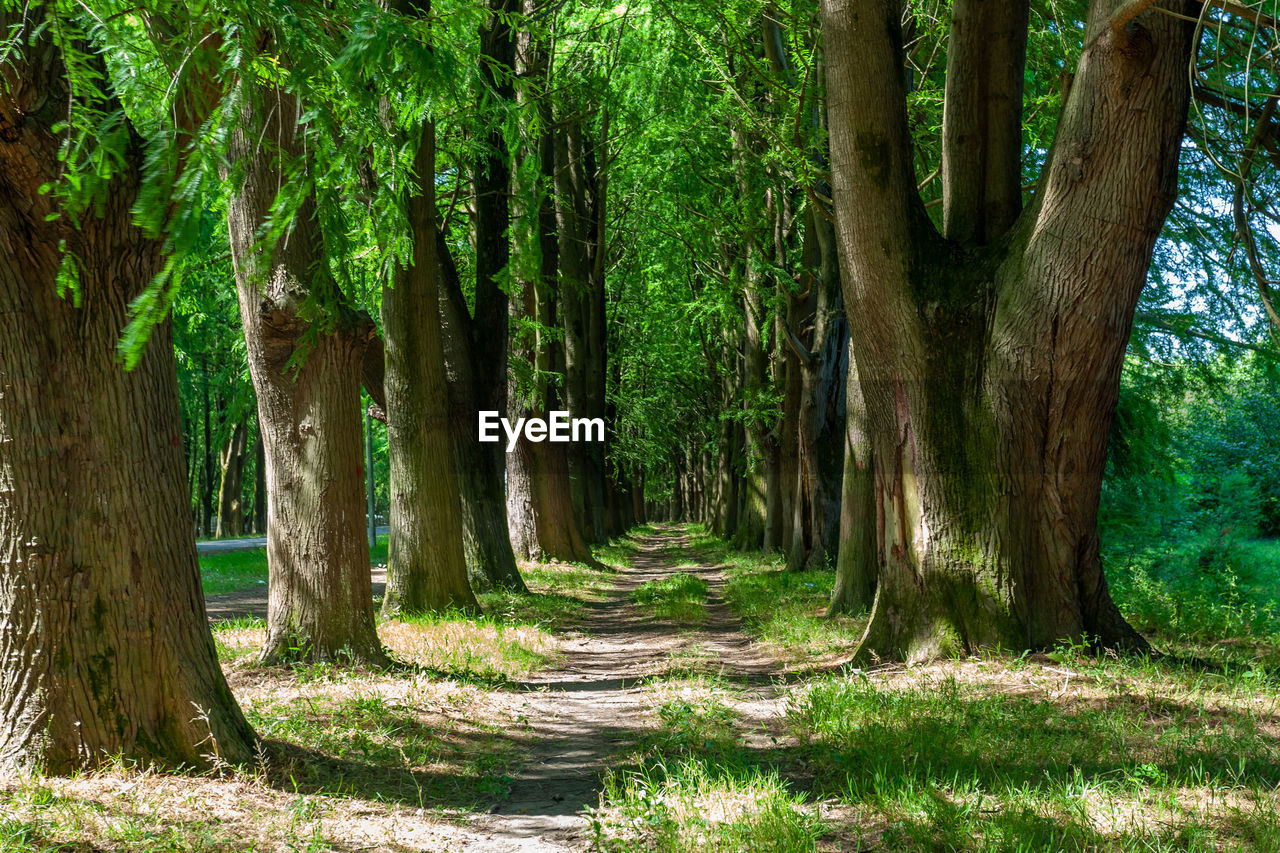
[582,713]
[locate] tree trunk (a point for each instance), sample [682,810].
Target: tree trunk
[426,567]
[637,499]
[989,356]
[856,561]
[820,428]
[307,380]
[259,485]
[230,505]
[580,291]
[476,347]
[206,471]
[105,648]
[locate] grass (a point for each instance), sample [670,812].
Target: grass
[1204,597]
[557,598]
[235,571]
[692,784]
[984,756]
[677,598]
[784,610]
[450,645]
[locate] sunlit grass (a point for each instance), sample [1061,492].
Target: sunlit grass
[234,571]
[785,610]
[692,785]
[453,645]
[678,598]
[986,756]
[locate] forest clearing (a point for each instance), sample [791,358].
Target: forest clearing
[536,425]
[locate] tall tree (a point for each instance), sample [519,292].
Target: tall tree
[989,351]
[475,344]
[426,567]
[305,348]
[104,646]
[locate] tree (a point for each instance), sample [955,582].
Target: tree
[475,343]
[426,567]
[989,350]
[105,648]
[305,348]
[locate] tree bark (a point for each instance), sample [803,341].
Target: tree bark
[259,485]
[307,379]
[476,346]
[105,648]
[989,362]
[230,504]
[580,303]
[820,432]
[426,567]
[856,566]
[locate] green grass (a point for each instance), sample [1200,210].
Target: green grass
[366,745]
[692,784]
[233,571]
[678,598]
[786,610]
[557,598]
[945,764]
[1202,597]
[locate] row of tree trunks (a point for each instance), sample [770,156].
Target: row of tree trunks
[475,346]
[105,649]
[540,495]
[579,206]
[822,350]
[426,564]
[307,381]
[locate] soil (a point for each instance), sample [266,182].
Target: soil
[582,713]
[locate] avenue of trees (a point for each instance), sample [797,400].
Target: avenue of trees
[852,281]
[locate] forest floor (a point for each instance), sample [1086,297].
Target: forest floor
[689,697]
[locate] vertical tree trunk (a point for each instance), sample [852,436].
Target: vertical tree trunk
[206,473]
[989,356]
[576,301]
[105,648]
[307,381]
[820,428]
[426,567]
[476,347]
[259,485]
[230,505]
[856,561]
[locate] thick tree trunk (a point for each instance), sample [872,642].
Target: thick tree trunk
[476,346]
[990,367]
[480,468]
[105,648]
[521,520]
[541,495]
[320,604]
[230,506]
[426,567]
